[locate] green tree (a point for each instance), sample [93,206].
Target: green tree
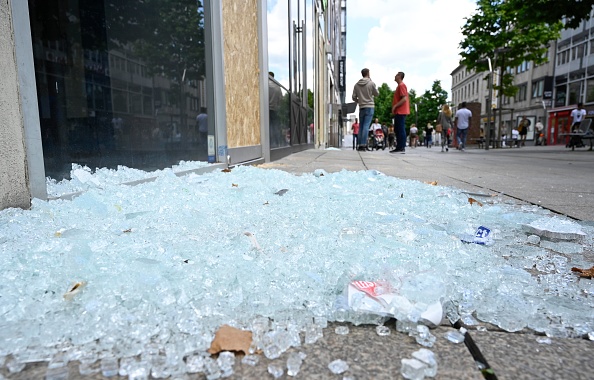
[383,104]
[552,11]
[413,116]
[429,105]
[167,35]
[498,31]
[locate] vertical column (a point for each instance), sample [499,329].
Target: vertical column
[14,190]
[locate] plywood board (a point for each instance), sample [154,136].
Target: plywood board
[242,70]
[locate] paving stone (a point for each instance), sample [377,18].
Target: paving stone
[520,356]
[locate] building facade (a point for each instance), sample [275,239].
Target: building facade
[533,98]
[142,85]
[573,78]
[330,70]
[547,93]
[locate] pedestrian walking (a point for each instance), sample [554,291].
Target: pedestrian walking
[391,136]
[400,108]
[523,129]
[355,131]
[429,136]
[363,93]
[414,135]
[515,137]
[444,124]
[462,123]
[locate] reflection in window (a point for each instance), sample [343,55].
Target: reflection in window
[590,91]
[537,88]
[560,95]
[574,92]
[115,80]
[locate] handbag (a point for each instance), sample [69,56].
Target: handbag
[439,126]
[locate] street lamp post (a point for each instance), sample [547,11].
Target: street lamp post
[489,107]
[416,115]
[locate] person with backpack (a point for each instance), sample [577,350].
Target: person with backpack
[523,129]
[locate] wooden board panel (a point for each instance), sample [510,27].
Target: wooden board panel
[240,33]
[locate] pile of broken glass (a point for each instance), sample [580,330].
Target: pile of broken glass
[163,264]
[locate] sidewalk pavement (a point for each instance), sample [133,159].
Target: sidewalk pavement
[552,177]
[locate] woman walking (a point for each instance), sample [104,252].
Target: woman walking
[445,120]
[414,136]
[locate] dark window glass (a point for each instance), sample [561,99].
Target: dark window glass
[574,92]
[115,80]
[560,95]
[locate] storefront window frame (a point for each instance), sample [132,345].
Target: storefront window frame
[28,91]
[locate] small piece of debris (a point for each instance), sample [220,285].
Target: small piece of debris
[584,273]
[338,366]
[74,290]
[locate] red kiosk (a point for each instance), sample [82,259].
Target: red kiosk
[558,123]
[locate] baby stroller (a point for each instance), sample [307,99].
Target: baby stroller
[379,140]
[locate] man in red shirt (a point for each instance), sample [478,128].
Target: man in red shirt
[400,108]
[355,130]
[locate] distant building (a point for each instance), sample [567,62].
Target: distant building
[573,77]
[530,100]
[547,93]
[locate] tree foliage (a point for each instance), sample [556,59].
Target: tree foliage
[167,35]
[553,11]
[499,30]
[383,104]
[425,112]
[413,99]
[429,105]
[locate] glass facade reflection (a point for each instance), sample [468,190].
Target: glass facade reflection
[120,83]
[278,109]
[290,117]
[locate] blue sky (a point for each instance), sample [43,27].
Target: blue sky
[418,37]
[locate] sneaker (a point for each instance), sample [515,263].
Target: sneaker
[397,151]
[447,149]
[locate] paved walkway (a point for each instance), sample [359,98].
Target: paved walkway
[551,176]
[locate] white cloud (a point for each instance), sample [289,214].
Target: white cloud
[419,38]
[278,46]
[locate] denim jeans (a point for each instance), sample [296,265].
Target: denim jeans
[365,116]
[400,131]
[461,135]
